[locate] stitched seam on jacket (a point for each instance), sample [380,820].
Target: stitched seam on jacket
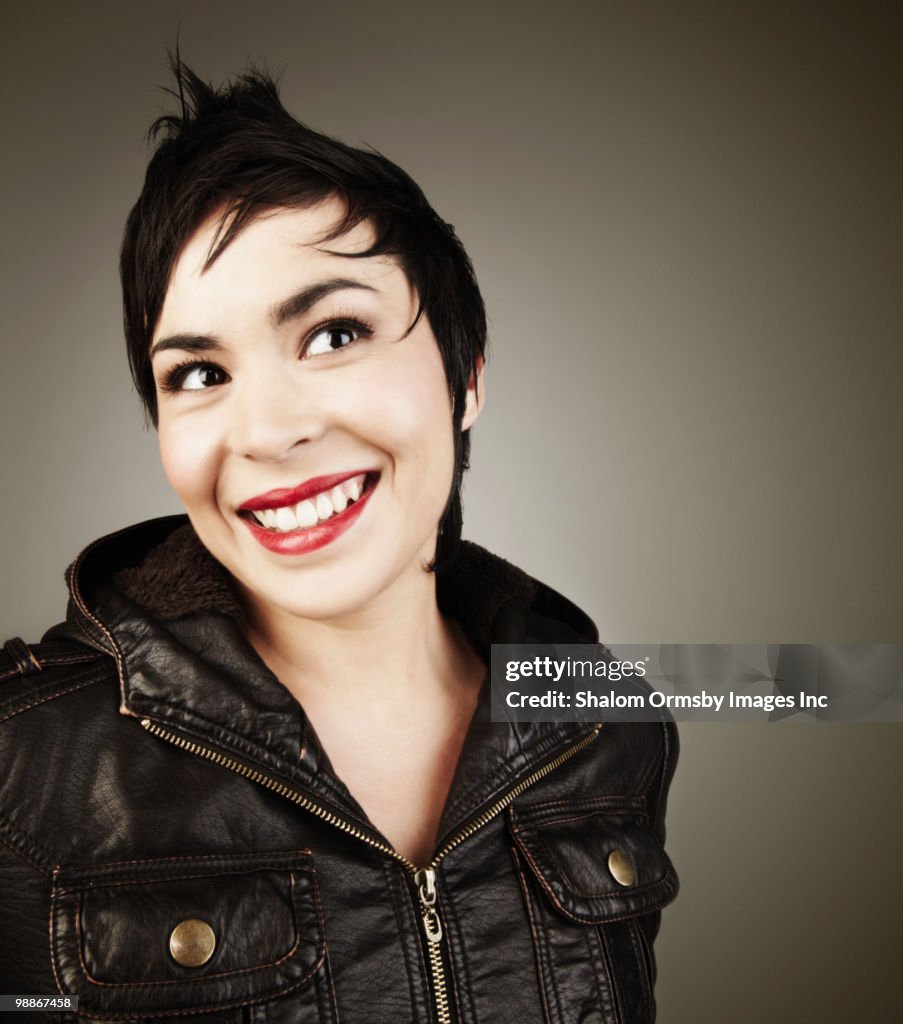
[41,661]
[500,779]
[76,877]
[609,918]
[279,858]
[51,932]
[154,985]
[531,814]
[640,956]
[601,974]
[17,644]
[333,1008]
[388,870]
[651,768]
[238,744]
[128,1016]
[26,846]
[185,981]
[666,763]
[68,888]
[71,659]
[615,999]
[454,939]
[52,695]
[610,812]
[9,673]
[92,640]
[323,962]
[607,894]
[537,942]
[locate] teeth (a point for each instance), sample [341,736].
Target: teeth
[338,498]
[285,519]
[306,513]
[315,510]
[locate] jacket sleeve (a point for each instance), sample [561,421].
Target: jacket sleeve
[658,796]
[658,801]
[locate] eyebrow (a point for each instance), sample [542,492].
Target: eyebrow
[186,343]
[305,299]
[294,306]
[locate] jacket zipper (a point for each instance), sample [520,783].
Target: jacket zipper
[424,878]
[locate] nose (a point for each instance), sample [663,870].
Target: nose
[273,411]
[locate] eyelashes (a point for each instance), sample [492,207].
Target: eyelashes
[353,325]
[340,320]
[175,377]
[209,374]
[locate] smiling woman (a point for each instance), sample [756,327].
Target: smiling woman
[309,378]
[299,807]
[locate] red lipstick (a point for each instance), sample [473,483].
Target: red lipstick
[281,496]
[310,538]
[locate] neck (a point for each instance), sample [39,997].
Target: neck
[399,648]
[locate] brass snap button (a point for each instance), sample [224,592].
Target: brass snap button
[621,867]
[192,942]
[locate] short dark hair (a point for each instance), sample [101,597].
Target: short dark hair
[237,149]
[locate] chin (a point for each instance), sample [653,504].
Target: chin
[334,583]
[329,592]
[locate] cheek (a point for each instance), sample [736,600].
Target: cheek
[415,418]
[188,461]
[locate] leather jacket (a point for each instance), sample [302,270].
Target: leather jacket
[177,847]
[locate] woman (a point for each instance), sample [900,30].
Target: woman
[262,782]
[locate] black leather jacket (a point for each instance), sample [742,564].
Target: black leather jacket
[177,847]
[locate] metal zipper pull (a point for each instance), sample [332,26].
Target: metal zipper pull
[425,880]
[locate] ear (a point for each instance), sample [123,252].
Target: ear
[476,396]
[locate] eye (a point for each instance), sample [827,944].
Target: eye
[202,377]
[330,338]
[193,376]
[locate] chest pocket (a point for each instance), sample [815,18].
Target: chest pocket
[594,880]
[171,937]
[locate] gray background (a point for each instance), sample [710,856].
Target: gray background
[686,220]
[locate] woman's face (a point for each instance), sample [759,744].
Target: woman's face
[309,440]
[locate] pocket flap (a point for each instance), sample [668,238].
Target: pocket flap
[596,859]
[148,938]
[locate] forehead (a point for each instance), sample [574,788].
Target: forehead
[275,254]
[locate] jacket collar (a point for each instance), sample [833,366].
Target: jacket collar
[155,599]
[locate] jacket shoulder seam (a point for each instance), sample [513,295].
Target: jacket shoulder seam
[52,691]
[18,658]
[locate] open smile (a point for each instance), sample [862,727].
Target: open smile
[300,519]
